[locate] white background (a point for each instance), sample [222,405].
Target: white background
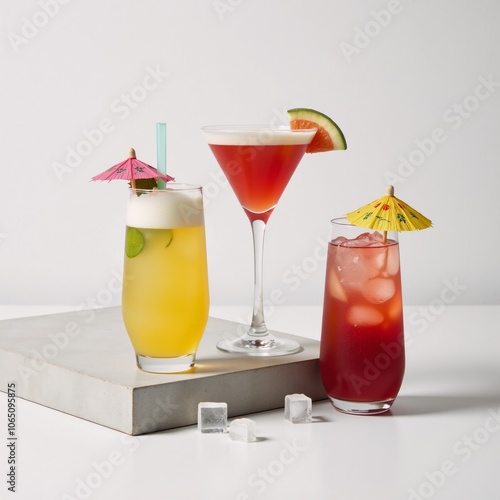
[67,69]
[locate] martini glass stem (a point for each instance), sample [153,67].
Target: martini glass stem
[258,327]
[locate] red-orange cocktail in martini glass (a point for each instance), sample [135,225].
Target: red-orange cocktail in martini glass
[258,162]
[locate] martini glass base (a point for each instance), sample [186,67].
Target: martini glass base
[265,345]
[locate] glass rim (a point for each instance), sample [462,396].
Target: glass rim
[170,186]
[235,129]
[342,221]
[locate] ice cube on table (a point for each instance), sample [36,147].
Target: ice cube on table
[243,429]
[212,417]
[298,408]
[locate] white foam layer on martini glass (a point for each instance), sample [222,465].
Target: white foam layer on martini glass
[165,209]
[254,135]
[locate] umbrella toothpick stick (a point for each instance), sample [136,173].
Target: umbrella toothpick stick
[131,154]
[161,152]
[389,192]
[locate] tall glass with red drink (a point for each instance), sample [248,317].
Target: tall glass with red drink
[362,357]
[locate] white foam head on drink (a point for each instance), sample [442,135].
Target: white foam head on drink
[165,209]
[256,136]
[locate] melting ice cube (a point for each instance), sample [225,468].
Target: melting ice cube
[350,265]
[393,261]
[364,316]
[379,257]
[334,285]
[243,429]
[379,290]
[298,408]
[212,417]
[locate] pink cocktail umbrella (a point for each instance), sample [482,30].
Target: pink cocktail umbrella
[131,169]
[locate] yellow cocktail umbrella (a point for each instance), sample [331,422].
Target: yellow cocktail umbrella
[388,213]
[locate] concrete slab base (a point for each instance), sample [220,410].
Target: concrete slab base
[82,363]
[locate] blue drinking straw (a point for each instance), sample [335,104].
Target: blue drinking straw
[161,152]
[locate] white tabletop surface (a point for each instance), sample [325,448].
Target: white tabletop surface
[441,440]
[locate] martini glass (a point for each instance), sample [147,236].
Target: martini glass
[258,162]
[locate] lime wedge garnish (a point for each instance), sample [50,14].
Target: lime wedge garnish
[134,242]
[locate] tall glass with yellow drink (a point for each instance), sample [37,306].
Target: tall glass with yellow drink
[165,297]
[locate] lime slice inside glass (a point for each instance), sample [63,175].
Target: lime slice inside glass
[134,242]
